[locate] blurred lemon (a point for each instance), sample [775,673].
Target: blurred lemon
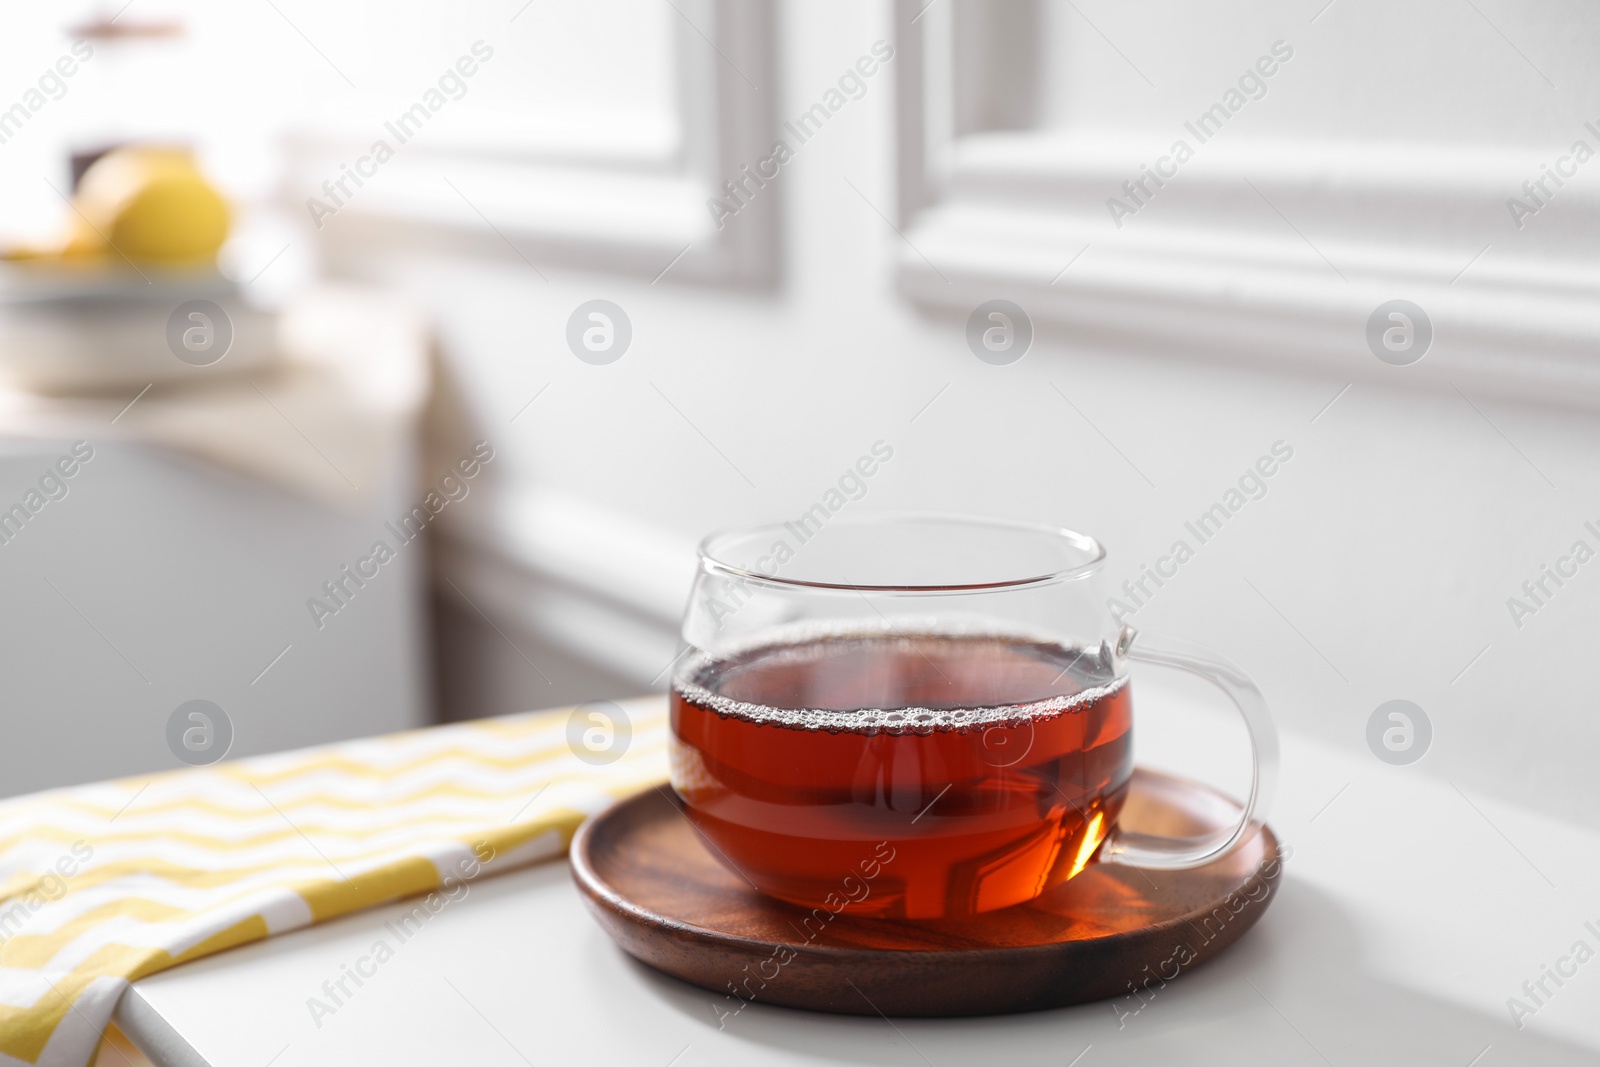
[152,204]
[148,204]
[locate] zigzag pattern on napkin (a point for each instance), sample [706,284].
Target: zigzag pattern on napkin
[103,884]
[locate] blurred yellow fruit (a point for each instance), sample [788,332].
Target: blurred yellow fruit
[82,247]
[152,204]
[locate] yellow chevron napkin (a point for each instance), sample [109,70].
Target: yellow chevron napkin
[103,884]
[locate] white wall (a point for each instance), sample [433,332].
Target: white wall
[1416,72]
[1389,543]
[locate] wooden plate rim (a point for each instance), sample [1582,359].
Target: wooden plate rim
[602,893]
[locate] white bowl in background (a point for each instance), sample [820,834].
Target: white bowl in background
[67,329]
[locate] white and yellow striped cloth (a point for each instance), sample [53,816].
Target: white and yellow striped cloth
[104,884]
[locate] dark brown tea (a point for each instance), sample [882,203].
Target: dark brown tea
[919,776]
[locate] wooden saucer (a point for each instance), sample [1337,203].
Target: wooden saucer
[651,882]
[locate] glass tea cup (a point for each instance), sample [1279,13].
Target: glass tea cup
[921,716]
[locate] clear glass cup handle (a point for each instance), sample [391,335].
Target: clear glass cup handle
[1176,853]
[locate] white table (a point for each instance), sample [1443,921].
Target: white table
[1409,913]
